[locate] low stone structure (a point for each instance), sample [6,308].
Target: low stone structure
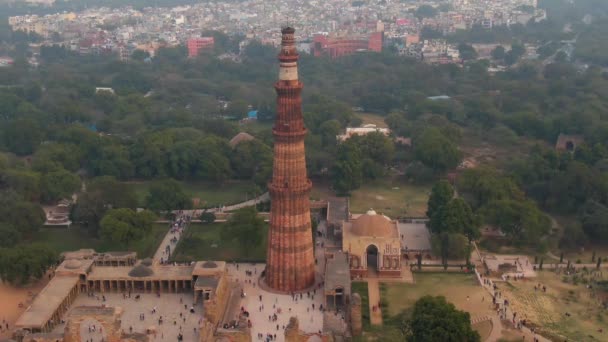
[84,271]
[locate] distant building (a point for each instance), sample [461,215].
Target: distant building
[104,90]
[6,61]
[239,138]
[363,130]
[568,143]
[338,46]
[195,45]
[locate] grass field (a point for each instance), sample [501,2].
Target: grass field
[361,289]
[203,242]
[75,238]
[548,310]
[454,287]
[210,194]
[391,197]
[460,289]
[370,118]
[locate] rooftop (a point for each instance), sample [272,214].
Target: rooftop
[123,273]
[46,302]
[337,273]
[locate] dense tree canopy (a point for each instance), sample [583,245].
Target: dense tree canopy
[435,319]
[246,227]
[167,195]
[124,226]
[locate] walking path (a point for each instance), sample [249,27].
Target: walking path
[373,288]
[167,246]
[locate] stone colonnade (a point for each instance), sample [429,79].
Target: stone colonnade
[61,310]
[143,285]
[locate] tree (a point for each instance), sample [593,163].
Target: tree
[207,217]
[246,227]
[22,136]
[435,319]
[102,193]
[467,52]
[124,226]
[58,184]
[347,172]
[453,246]
[594,218]
[426,11]
[455,217]
[498,54]
[25,217]
[9,236]
[21,264]
[521,221]
[436,151]
[167,195]
[441,194]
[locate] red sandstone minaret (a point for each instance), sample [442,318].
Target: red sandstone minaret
[290,264]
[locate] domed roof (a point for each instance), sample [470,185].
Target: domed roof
[73,264]
[209,264]
[372,224]
[141,271]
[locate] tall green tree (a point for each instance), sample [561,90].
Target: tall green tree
[521,221]
[20,265]
[246,227]
[167,195]
[58,184]
[125,226]
[441,194]
[436,151]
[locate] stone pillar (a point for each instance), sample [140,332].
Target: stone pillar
[356,321]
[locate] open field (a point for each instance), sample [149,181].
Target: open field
[460,289]
[370,118]
[203,242]
[548,310]
[210,194]
[74,238]
[391,197]
[361,289]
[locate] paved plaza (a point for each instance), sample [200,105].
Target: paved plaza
[283,306]
[176,318]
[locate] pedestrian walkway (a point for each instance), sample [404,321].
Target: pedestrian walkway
[170,241]
[373,289]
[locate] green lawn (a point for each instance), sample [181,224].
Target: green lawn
[460,289]
[203,242]
[393,197]
[361,289]
[75,238]
[210,194]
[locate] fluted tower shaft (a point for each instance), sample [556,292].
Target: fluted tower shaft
[290,263]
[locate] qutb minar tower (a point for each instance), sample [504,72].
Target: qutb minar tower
[290,264]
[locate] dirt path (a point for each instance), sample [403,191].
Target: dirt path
[374,299]
[11,296]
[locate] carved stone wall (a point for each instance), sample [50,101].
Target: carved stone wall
[216,306]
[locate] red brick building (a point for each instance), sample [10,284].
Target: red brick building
[195,45]
[335,47]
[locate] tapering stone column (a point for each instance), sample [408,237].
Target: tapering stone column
[290,263]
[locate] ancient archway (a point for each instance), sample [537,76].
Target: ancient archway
[570,145]
[372,258]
